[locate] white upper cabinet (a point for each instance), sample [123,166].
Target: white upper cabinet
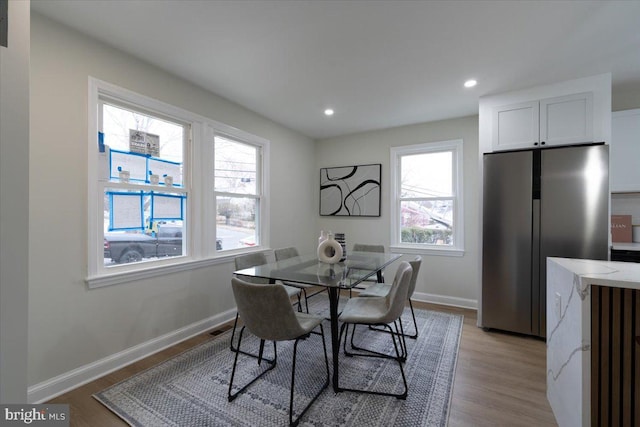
[568,112]
[624,172]
[515,126]
[566,119]
[551,121]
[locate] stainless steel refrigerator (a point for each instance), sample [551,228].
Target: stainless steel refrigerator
[538,203]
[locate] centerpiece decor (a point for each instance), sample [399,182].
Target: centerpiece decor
[330,250]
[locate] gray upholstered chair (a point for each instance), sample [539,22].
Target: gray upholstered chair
[382,289]
[380,311]
[267,312]
[361,247]
[253,260]
[291,252]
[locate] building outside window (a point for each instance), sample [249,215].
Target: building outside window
[426,197]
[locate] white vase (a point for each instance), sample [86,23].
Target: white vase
[329,251]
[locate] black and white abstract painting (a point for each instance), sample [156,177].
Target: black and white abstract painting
[350,190]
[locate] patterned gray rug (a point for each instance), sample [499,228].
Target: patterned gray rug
[191,389]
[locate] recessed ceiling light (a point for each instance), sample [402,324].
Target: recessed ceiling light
[470,83]
[328,112]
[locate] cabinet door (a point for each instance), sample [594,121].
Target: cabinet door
[515,126]
[566,119]
[625,151]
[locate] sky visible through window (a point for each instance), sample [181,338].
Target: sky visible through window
[427,175]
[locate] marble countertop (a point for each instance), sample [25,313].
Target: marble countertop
[604,273]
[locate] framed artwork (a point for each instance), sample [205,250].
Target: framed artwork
[350,190]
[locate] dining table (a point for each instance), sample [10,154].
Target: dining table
[308,270]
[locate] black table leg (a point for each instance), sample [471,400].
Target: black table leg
[334,296]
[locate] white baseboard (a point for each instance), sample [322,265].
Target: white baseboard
[446,300]
[60,384]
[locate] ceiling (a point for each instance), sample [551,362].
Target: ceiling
[378,64]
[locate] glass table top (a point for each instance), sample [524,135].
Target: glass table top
[308,270]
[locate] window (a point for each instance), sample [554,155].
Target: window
[427,197]
[168,188]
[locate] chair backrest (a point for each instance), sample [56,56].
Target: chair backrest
[266,310]
[397,296]
[415,266]
[285,253]
[360,247]
[251,260]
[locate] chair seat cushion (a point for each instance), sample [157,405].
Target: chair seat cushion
[292,291]
[376,290]
[370,310]
[308,321]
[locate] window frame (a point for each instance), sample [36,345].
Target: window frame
[198,185]
[396,153]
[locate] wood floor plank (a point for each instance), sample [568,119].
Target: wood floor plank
[500,380]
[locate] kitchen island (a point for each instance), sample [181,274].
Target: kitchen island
[593,357]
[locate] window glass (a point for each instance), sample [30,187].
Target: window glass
[236,167]
[427,222]
[144,208]
[237,193]
[118,122]
[427,175]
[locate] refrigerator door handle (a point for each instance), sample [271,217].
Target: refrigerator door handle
[535,268]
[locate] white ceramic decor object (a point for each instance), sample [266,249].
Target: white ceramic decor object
[330,250]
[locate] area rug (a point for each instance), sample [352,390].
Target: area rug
[191,388]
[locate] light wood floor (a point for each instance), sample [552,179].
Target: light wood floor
[500,380]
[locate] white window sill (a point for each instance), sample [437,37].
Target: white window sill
[154,270]
[427,250]
[164,267]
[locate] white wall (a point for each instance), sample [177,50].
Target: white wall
[14,204]
[625,97]
[74,332]
[449,280]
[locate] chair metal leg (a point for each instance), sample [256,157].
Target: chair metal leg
[295,422]
[397,358]
[233,333]
[237,349]
[401,339]
[307,296]
[374,353]
[415,325]
[272,364]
